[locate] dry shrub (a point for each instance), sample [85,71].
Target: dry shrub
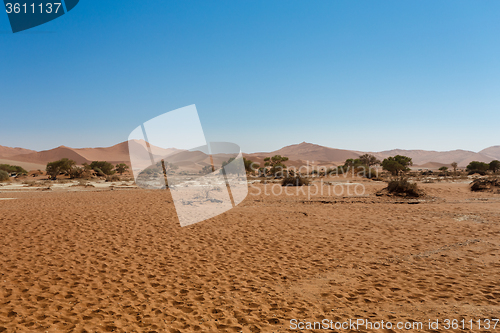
[403,187]
[113,178]
[295,181]
[486,185]
[80,173]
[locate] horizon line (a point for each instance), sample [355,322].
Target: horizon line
[266,152]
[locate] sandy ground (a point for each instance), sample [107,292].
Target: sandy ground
[118,261]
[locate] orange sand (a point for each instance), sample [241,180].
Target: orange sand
[119,261]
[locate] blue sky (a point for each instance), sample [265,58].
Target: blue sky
[362,75]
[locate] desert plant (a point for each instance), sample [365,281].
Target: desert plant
[262,172]
[232,168]
[454,165]
[276,164]
[483,184]
[250,167]
[104,167]
[342,170]
[55,168]
[353,163]
[13,169]
[397,164]
[294,181]
[79,173]
[371,173]
[443,168]
[113,178]
[368,160]
[478,172]
[402,186]
[4,176]
[206,170]
[99,172]
[121,168]
[334,171]
[495,166]
[478,167]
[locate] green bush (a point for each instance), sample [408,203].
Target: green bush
[276,164]
[250,166]
[3,175]
[495,166]
[57,167]
[402,186]
[12,169]
[121,168]
[105,167]
[479,172]
[352,163]
[397,164]
[99,172]
[294,181]
[478,166]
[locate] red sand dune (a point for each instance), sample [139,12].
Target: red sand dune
[6,152]
[310,152]
[26,165]
[43,157]
[116,154]
[298,154]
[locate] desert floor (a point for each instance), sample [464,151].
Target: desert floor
[118,261]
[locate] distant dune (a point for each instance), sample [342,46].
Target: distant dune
[311,152]
[116,154]
[298,154]
[43,157]
[24,165]
[492,152]
[6,152]
[420,157]
[434,165]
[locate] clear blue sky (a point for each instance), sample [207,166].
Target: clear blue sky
[363,75]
